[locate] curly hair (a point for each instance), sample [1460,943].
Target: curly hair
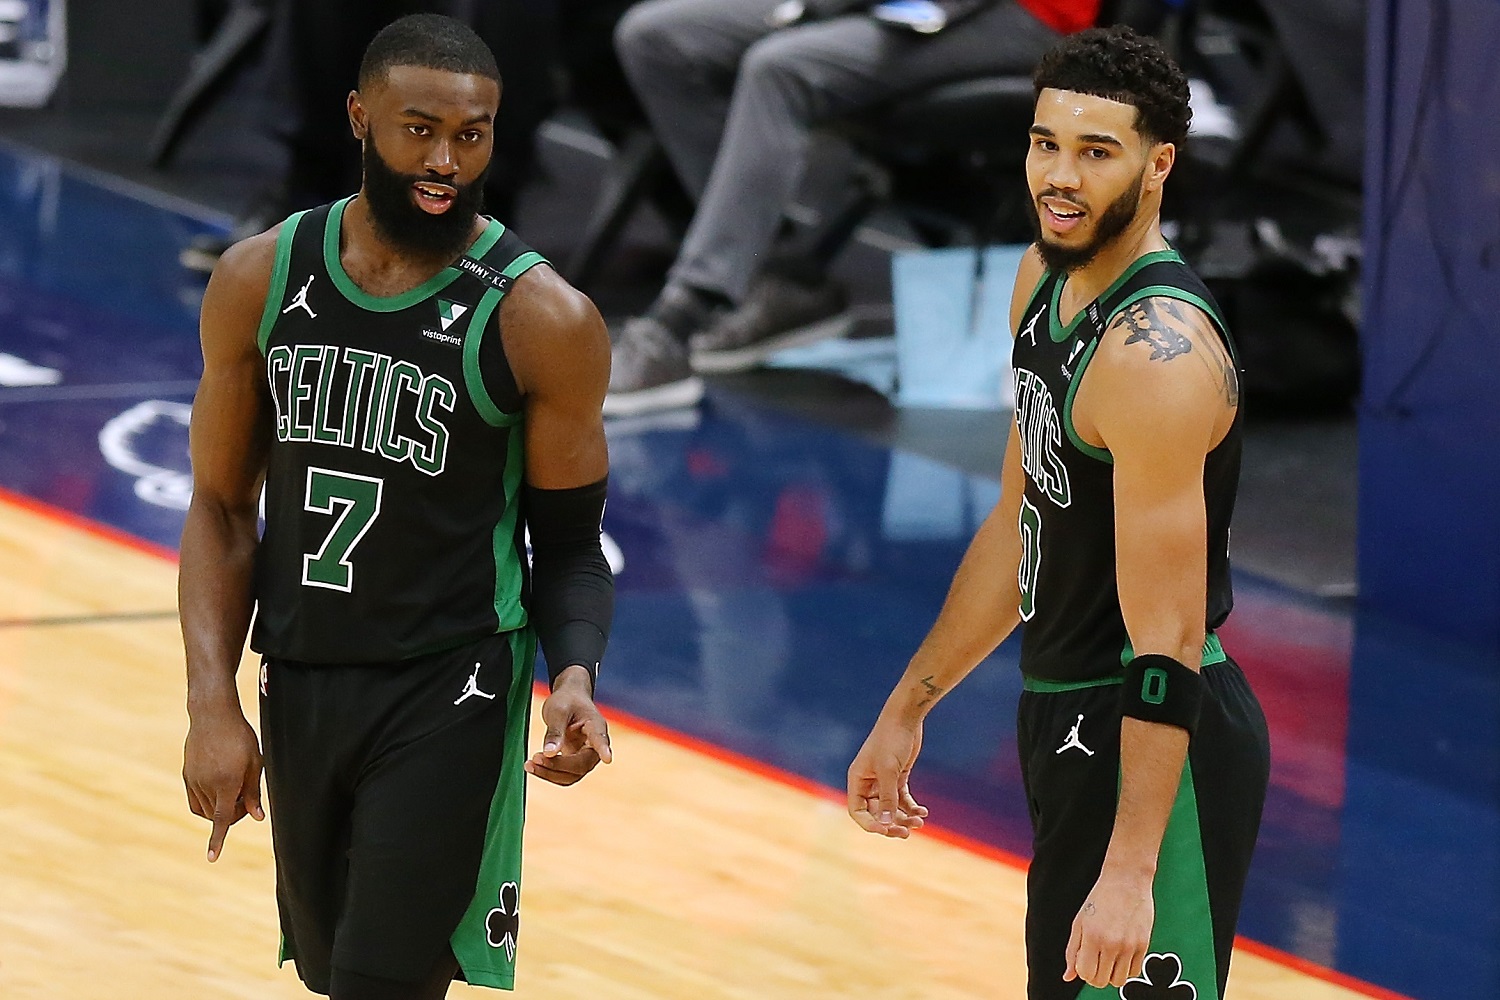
[1118,64]
[431,41]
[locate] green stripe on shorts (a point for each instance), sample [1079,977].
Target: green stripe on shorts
[485,941]
[1182,936]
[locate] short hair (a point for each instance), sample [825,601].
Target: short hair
[431,41]
[1118,64]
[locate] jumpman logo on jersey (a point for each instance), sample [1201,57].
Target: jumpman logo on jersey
[300,301]
[471,689]
[1030,330]
[1073,741]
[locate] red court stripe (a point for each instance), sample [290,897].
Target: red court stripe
[969,844]
[84,524]
[730,757]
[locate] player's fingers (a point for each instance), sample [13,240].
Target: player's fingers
[855,784]
[886,793]
[252,803]
[552,742]
[195,801]
[596,733]
[910,805]
[250,794]
[1075,942]
[581,762]
[541,767]
[224,815]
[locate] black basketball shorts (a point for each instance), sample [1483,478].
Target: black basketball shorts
[1069,737]
[396,797]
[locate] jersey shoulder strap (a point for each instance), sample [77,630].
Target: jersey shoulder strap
[491,382]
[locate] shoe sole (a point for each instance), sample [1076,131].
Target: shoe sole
[744,358]
[672,396]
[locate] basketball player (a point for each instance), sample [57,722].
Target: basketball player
[416,389]
[1144,754]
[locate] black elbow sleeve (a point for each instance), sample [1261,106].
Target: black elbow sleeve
[572,587]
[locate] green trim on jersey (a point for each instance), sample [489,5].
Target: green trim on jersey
[509,611]
[1183,295]
[1184,924]
[1213,652]
[485,962]
[279,270]
[1102,454]
[393,303]
[523,263]
[474,337]
[1040,686]
[1150,291]
[1061,333]
[473,377]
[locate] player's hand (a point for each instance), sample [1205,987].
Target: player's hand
[880,797]
[1112,931]
[221,765]
[577,736]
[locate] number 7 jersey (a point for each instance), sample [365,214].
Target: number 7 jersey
[392,522]
[1073,629]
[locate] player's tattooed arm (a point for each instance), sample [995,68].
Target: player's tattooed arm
[1170,330]
[933,691]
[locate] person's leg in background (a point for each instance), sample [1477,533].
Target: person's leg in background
[681,58]
[788,82]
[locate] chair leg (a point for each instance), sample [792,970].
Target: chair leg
[240,28]
[638,163]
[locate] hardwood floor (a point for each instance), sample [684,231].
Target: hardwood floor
[669,874]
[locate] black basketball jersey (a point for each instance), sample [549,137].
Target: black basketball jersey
[392,494]
[1070,606]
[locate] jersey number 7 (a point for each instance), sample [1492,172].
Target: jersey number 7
[354,503]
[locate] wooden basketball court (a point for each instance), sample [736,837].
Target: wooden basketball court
[674,873]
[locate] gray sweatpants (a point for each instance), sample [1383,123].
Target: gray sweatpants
[734,103]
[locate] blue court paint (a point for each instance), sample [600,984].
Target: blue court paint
[778,574]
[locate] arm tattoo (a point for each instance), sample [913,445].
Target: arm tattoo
[1149,325]
[1161,324]
[933,691]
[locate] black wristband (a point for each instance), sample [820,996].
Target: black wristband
[1157,688]
[572,589]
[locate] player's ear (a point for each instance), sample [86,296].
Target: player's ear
[1159,164]
[359,118]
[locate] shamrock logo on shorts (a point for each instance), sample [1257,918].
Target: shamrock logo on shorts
[504,921]
[1160,979]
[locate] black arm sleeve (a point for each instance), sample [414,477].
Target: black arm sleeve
[572,588]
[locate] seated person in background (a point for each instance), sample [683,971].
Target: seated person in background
[734,89]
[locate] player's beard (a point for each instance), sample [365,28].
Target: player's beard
[1116,218]
[399,220]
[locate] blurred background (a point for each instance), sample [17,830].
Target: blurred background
[784,544]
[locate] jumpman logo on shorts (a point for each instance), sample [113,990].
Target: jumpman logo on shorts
[1073,740]
[471,689]
[300,300]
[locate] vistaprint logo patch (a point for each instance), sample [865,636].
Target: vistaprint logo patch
[451,339]
[449,312]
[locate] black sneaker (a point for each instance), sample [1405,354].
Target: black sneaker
[649,371]
[777,314]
